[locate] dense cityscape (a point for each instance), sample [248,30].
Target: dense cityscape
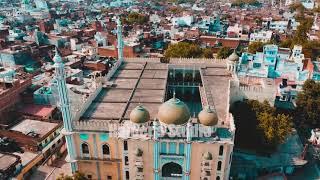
[159,89]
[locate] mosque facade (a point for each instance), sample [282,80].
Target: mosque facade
[153,120]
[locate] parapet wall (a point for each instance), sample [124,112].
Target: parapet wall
[198,60]
[240,93]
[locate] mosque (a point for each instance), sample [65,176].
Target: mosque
[153,120]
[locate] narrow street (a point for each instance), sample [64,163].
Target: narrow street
[52,172]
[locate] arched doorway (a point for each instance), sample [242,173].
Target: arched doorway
[171,170]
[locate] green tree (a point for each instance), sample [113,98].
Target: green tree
[75,176]
[308,104]
[275,128]
[224,52]
[255,47]
[241,3]
[138,18]
[301,35]
[297,7]
[183,49]
[288,43]
[260,123]
[207,53]
[311,44]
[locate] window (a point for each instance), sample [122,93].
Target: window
[219,166]
[125,145]
[89,176]
[164,147]
[85,148]
[181,148]
[126,160]
[59,141]
[283,98]
[140,169]
[218,178]
[127,175]
[105,149]
[221,150]
[109,177]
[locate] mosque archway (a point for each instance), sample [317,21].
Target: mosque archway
[171,169]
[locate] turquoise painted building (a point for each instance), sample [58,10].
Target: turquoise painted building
[274,62]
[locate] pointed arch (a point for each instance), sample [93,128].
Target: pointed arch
[106,152]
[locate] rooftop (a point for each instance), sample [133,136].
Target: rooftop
[7,160]
[37,110]
[145,82]
[34,127]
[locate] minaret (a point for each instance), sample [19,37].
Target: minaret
[64,105]
[120,40]
[156,150]
[188,151]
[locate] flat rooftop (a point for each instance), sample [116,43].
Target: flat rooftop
[7,160]
[145,83]
[29,127]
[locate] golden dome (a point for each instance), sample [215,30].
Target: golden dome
[208,117]
[207,156]
[139,115]
[233,57]
[174,112]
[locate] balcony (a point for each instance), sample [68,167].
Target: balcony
[138,163]
[206,168]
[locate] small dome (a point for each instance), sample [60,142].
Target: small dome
[138,152]
[57,58]
[139,115]
[233,57]
[208,117]
[207,156]
[174,112]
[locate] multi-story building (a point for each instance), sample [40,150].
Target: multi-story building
[274,62]
[12,84]
[262,36]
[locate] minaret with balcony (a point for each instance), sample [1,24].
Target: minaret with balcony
[64,104]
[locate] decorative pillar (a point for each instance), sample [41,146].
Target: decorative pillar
[188,151]
[120,40]
[156,150]
[234,68]
[64,104]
